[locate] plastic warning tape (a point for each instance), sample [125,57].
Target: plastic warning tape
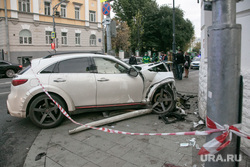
[211,147]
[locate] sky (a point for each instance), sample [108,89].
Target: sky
[192,11]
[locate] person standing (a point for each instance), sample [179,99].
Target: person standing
[186,64]
[155,58]
[132,60]
[179,63]
[146,58]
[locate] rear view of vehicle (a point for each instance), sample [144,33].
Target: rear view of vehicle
[27,98]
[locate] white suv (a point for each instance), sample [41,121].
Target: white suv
[82,82]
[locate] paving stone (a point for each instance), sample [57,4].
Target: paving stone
[165,143]
[90,164]
[112,162]
[100,143]
[117,138]
[137,145]
[162,153]
[73,145]
[97,156]
[129,165]
[64,157]
[118,150]
[51,163]
[81,135]
[186,161]
[142,159]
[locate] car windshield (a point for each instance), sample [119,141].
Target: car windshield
[197,59]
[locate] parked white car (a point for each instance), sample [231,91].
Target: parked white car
[195,63]
[82,82]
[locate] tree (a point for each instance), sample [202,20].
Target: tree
[197,47]
[151,25]
[121,41]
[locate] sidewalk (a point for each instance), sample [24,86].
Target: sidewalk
[94,148]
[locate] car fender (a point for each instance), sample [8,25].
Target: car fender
[153,88]
[51,89]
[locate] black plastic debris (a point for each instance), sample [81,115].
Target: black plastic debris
[39,156]
[172,117]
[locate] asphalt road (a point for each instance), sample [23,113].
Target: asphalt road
[16,134]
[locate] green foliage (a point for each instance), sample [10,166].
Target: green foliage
[151,25]
[197,47]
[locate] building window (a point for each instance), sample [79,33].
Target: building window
[77,13]
[92,40]
[77,38]
[25,37]
[47,8]
[92,16]
[24,5]
[48,37]
[64,38]
[63,10]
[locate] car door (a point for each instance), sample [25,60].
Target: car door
[74,77]
[114,85]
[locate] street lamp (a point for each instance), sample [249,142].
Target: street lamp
[53,34]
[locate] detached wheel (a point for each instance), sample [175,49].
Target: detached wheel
[10,73]
[44,113]
[163,101]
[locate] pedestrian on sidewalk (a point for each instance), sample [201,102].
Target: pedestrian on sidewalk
[132,60]
[186,64]
[146,58]
[179,61]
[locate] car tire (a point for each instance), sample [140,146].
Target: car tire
[10,73]
[44,113]
[165,99]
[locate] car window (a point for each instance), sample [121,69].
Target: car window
[24,70]
[49,69]
[107,66]
[77,65]
[159,68]
[4,63]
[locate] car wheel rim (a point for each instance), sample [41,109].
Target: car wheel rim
[162,101]
[46,112]
[10,73]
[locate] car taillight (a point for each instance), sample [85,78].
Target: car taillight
[20,66]
[17,82]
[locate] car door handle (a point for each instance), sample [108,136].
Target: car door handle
[103,79]
[59,80]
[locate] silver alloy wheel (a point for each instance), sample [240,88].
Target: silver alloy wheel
[163,101]
[10,73]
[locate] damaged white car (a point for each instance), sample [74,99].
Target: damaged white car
[83,82]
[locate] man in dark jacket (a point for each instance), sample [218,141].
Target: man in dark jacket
[132,60]
[179,61]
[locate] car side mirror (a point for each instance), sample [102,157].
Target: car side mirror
[132,72]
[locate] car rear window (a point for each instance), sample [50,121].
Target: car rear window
[24,70]
[49,69]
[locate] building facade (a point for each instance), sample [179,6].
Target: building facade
[27,30]
[243,18]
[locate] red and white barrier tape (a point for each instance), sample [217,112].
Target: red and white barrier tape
[211,147]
